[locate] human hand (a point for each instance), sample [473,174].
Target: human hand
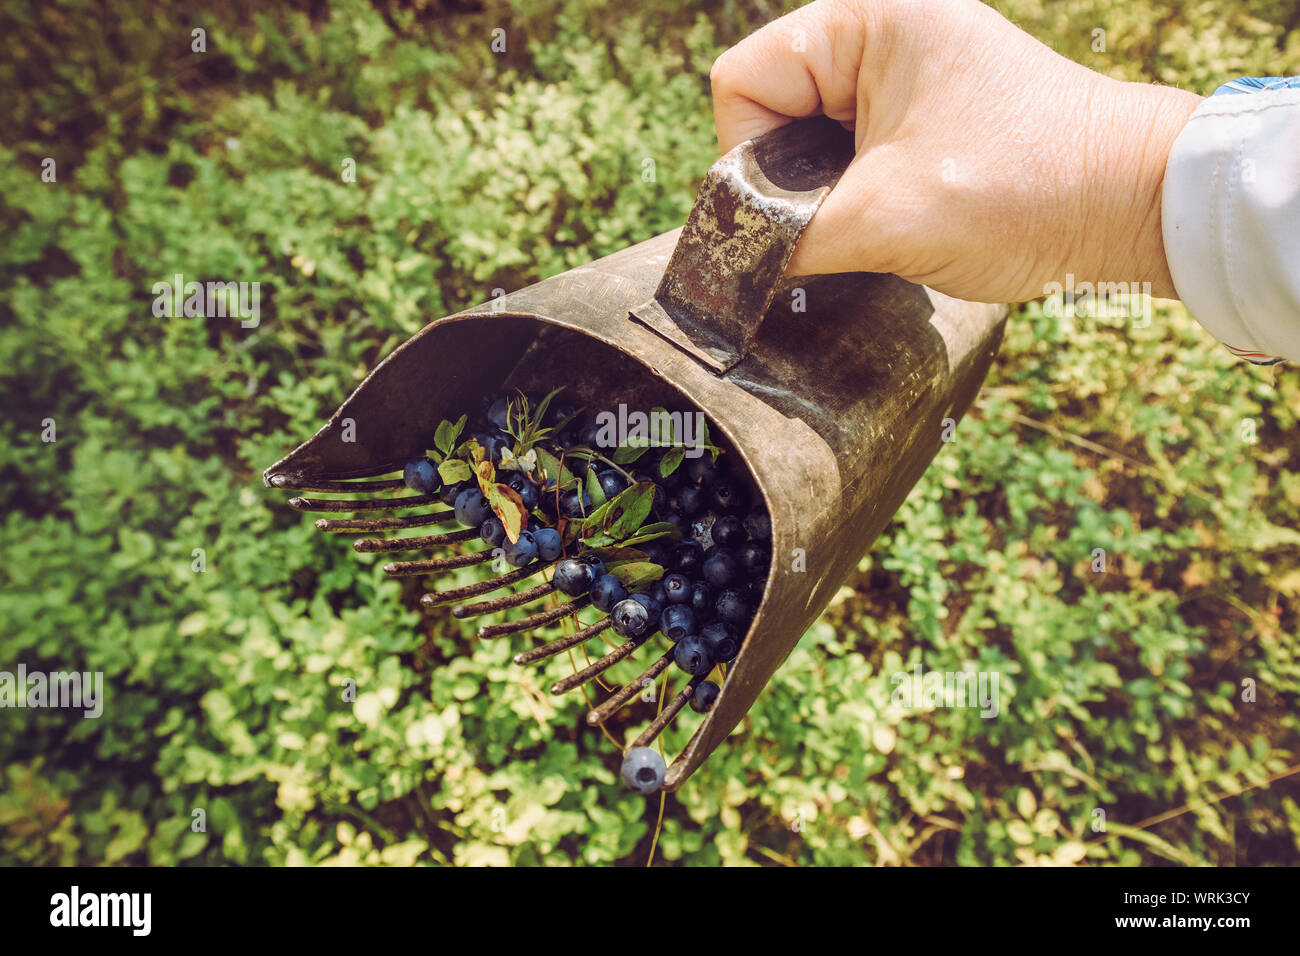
[987,164]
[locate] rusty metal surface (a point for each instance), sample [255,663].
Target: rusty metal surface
[835,411]
[750,211]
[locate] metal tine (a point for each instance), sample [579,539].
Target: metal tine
[434,598]
[401,569]
[624,694]
[543,651]
[606,662]
[671,710]
[375,545]
[501,603]
[363,525]
[533,620]
[368,504]
[326,484]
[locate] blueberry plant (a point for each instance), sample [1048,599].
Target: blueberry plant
[254,671]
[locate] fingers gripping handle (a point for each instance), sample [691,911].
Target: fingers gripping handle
[751,209]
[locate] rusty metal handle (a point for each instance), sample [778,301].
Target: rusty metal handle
[751,209]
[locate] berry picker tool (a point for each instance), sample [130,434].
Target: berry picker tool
[830,394]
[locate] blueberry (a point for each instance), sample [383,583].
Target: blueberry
[660,501]
[677,621]
[643,770]
[702,600]
[573,505]
[659,593]
[450,493]
[590,557]
[493,444]
[720,638]
[702,471]
[647,600]
[672,516]
[558,413]
[421,475]
[689,501]
[687,558]
[677,588]
[611,482]
[528,492]
[728,532]
[729,497]
[471,507]
[607,592]
[755,559]
[630,618]
[549,543]
[754,590]
[521,552]
[692,655]
[732,606]
[589,437]
[720,568]
[573,577]
[706,692]
[497,413]
[758,525]
[492,531]
[657,552]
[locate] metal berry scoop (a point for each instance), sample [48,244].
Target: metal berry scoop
[829,394]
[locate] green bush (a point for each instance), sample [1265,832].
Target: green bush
[229,688]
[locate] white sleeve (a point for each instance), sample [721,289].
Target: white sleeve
[1231,221]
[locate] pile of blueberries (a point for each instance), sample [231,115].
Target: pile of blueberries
[714,575]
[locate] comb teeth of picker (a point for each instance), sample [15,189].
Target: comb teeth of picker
[464,600]
[832,408]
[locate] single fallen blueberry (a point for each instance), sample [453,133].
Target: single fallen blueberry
[643,770]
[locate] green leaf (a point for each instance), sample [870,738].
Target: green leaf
[671,460]
[623,514]
[635,574]
[655,531]
[626,454]
[594,489]
[454,470]
[444,439]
